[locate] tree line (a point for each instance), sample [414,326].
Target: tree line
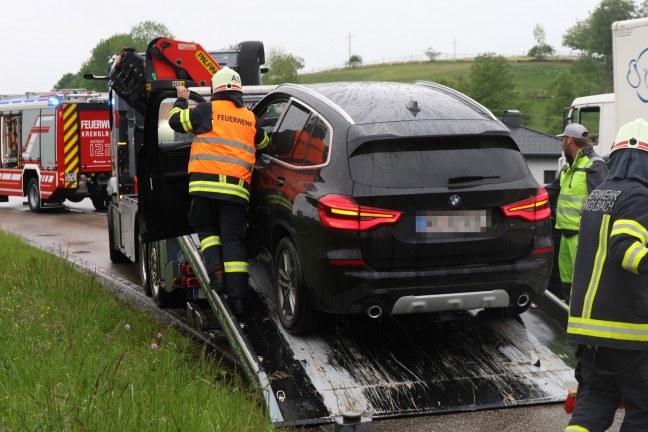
[490,81]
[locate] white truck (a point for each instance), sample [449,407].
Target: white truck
[603,114]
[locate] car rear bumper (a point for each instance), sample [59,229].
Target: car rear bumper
[359,289]
[444,302]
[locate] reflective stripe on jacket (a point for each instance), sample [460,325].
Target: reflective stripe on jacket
[609,299]
[573,191]
[227,149]
[226,142]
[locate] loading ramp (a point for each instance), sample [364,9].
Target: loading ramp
[411,365]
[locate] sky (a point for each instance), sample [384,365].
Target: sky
[44,39]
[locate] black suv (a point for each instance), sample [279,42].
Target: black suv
[393,198]
[373,198]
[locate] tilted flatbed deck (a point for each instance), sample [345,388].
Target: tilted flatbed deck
[425,364]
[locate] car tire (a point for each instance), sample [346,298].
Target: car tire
[295,313]
[33,196]
[115,256]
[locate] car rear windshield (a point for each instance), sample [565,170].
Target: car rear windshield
[437,162]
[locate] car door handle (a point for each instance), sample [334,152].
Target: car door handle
[280,181]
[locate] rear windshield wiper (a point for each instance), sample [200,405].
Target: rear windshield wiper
[466,179]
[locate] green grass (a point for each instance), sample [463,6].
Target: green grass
[532,81]
[404,72]
[75,358]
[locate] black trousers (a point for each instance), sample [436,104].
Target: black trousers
[221,227]
[606,377]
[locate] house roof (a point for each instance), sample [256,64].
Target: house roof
[532,143]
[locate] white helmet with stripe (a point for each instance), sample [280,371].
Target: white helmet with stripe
[226,79]
[633,135]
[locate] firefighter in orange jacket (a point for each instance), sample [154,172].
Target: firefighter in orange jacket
[226,138]
[608,312]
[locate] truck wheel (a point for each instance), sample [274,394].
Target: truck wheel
[295,313]
[143,254]
[75,198]
[115,256]
[99,202]
[251,56]
[162,298]
[33,195]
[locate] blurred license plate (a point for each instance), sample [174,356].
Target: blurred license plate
[458,221]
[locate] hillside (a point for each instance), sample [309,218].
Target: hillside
[532,81]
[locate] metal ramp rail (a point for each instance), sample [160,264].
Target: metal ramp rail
[232,330]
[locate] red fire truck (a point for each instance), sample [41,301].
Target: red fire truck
[55,147]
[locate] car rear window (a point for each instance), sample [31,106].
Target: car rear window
[437,162]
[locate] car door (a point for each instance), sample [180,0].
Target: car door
[267,183]
[163,181]
[283,170]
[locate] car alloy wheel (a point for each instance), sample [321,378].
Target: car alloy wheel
[295,313]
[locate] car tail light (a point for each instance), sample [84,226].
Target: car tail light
[533,209]
[343,213]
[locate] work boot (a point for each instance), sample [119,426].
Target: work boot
[238,306]
[217,282]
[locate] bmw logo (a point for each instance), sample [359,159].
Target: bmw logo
[455,201]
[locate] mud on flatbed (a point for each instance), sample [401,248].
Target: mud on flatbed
[417,364]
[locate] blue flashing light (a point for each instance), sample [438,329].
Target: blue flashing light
[53,101]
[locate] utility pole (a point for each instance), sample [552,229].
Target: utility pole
[454,55]
[349,45]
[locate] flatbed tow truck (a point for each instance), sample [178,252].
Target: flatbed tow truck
[416,365]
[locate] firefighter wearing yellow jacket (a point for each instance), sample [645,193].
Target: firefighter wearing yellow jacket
[608,312]
[226,138]
[584,171]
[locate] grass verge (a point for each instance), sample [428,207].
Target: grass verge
[75,358]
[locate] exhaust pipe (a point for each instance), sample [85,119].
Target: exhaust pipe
[523,300]
[374,311]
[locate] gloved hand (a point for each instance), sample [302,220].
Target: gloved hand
[182,92]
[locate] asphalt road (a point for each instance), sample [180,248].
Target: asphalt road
[78,233]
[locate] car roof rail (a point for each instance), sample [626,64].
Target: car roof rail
[457,95]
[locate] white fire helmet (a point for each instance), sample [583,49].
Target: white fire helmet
[632,135]
[226,79]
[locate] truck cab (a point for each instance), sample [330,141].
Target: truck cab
[596,113]
[55,147]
